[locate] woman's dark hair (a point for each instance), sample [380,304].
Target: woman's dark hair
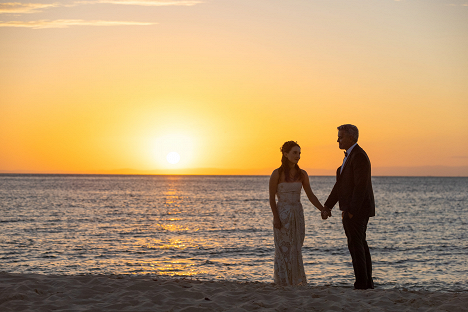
[286,148]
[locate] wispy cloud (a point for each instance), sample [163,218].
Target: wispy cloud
[23,8]
[147,2]
[16,7]
[64,23]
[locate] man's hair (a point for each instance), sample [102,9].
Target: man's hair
[352,130]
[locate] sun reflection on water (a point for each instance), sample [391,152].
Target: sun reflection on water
[174,244]
[171,227]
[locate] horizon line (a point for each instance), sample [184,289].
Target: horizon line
[397,171]
[211,175]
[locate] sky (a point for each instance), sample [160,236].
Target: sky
[114,86]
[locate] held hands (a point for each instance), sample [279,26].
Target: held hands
[326,212]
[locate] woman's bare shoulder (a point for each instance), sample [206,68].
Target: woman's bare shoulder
[275,173]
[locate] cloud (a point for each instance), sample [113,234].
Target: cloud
[64,23]
[16,7]
[148,2]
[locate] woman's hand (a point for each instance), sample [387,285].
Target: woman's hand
[277,223]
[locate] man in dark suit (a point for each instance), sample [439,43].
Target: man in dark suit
[353,191]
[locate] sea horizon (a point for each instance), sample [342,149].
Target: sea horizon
[132,172]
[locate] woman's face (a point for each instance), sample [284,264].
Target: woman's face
[294,154]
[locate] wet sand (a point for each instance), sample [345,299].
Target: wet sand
[31,292]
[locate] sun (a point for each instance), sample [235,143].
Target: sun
[173,158]
[173,151]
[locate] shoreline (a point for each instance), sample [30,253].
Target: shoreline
[34,292]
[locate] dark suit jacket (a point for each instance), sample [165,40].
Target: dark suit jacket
[353,187]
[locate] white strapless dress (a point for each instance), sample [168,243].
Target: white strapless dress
[289,268]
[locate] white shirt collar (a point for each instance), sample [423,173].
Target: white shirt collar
[348,151]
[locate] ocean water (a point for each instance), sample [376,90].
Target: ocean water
[220,228]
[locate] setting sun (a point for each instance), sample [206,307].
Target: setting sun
[225,83]
[173,151]
[173,158]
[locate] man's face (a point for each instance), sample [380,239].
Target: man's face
[345,140]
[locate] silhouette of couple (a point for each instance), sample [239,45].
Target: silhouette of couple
[352,190]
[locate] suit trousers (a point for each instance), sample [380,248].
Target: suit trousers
[355,230]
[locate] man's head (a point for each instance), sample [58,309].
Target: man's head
[347,136]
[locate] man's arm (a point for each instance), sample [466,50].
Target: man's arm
[333,197]
[361,171]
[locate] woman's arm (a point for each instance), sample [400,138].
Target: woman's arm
[306,185]
[272,187]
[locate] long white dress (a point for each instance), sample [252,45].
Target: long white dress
[289,268]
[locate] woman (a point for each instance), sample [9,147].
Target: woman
[288,216]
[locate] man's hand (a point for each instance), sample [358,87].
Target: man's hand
[277,223]
[349,215]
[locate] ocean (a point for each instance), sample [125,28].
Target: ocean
[220,228]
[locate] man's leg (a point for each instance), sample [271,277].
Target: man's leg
[355,230]
[370,281]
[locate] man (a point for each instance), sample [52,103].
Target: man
[353,191]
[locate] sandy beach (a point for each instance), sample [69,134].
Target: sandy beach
[31,292]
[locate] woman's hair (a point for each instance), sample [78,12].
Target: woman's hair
[286,148]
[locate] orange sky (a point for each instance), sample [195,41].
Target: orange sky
[99,86]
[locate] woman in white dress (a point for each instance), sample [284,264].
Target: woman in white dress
[286,183]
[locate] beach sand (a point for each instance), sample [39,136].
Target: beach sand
[32,292]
